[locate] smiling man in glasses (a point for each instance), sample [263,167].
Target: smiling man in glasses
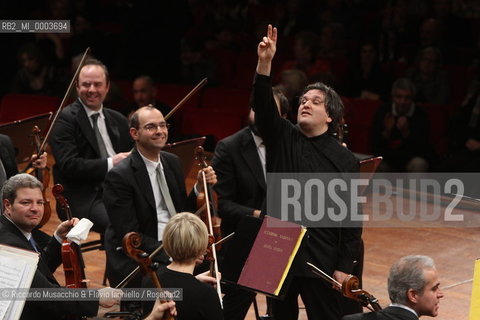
[144,191]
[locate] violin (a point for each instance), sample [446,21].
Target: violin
[131,243]
[350,288]
[212,222]
[72,259]
[43,175]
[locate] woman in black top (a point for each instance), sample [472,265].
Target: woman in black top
[185,240]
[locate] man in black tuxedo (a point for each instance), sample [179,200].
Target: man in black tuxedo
[134,196]
[89,140]
[414,290]
[239,163]
[23,210]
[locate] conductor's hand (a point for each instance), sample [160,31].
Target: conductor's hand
[109,297]
[159,310]
[268,46]
[266,50]
[64,227]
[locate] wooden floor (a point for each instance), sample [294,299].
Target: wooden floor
[454,251]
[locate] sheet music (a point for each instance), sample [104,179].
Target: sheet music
[17,268]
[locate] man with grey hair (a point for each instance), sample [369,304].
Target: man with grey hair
[400,131]
[414,290]
[23,210]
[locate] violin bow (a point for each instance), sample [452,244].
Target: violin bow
[127,279]
[210,230]
[62,104]
[185,99]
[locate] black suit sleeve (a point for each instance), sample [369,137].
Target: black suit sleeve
[120,203]
[55,308]
[227,186]
[8,156]
[67,141]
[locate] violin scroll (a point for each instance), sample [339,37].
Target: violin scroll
[131,243]
[351,289]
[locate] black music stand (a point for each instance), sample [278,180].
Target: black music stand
[20,131]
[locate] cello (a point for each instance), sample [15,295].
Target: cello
[131,243]
[72,258]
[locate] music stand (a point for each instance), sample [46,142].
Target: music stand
[20,133]
[185,150]
[368,167]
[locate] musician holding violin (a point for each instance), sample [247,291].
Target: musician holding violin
[23,210]
[185,240]
[413,288]
[144,192]
[87,141]
[7,159]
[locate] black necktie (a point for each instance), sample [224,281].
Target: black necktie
[33,243]
[100,142]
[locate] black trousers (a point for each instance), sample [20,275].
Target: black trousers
[236,302]
[321,301]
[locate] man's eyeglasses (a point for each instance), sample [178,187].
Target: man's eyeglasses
[151,127]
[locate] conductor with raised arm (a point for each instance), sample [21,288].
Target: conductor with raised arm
[308,147]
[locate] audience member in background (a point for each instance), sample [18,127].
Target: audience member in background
[366,79]
[145,93]
[430,79]
[397,29]
[305,51]
[292,82]
[332,41]
[195,66]
[36,75]
[464,144]
[400,131]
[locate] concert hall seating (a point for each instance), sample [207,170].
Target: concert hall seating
[15,106]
